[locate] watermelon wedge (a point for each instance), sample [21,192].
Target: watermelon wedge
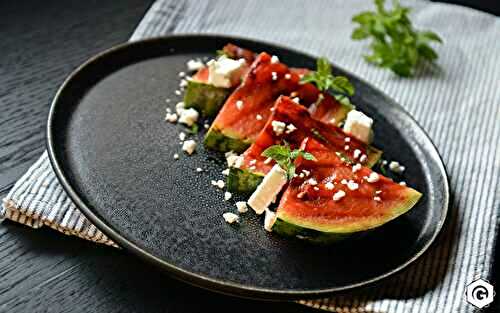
[247,109]
[336,200]
[254,166]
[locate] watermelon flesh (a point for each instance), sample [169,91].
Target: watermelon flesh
[309,211]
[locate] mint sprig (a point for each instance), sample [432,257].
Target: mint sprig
[395,43]
[284,157]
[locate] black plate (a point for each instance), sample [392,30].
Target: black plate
[113,153]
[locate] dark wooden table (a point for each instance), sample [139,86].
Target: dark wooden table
[43,271]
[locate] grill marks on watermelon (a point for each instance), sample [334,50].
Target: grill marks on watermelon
[311,206]
[258,91]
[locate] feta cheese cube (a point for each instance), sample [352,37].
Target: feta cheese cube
[194,65]
[270,186]
[171,117]
[227,195]
[189,146]
[269,220]
[242,206]
[230,218]
[224,72]
[329,186]
[359,125]
[189,116]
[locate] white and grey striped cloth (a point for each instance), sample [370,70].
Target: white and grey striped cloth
[459,106]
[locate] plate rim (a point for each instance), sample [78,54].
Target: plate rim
[204,281]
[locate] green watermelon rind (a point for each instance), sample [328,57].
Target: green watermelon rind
[286,226]
[243,181]
[206,99]
[219,140]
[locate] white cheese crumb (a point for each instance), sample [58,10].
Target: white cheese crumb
[242,206]
[268,160]
[312,182]
[359,125]
[220,184]
[402,183]
[343,181]
[199,169]
[377,198]
[296,100]
[396,167]
[171,117]
[179,107]
[194,65]
[347,139]
[189,146]
[230,217]
[306,172]
[176,156]
[338,195]
[274,75]
[178,92]
[252,168]
[239,104]
[356,153]
[363,158]
[189,116]
[316,188]
[183,83]
[333,120]
[352,185]
[329,186]
[377,192]
[373,178]
[301,175]
[346,148]
[269,220]
[167,100]
[274,59]
[225,172]
[182,136]
[258,117]
[223,71]
[252,162]
[168,110]
[356,167]
[227,195]
[182,74]
[278,127]
[206,126]
[288,76]
[290,128]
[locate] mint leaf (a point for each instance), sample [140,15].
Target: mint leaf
[284,157]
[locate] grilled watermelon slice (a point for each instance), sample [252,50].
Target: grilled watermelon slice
[206,98]
[236,127]
[309,210]
[254,166]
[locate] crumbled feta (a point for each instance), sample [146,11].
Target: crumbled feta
[206,126]
[267,161]
[199,169]
[183,83]
[288,76]
[301,175]
[168,110]
[363,158]
[347,139]
[329,186]
[220,184]
[356,167]
[296,100]
[189,146]
[182,74]
[194,65]
[356,153]
[373,178]
[267,190]
[239,104]
[343,181]
[316,188]
[230,217]
[306,172]
[333,120]
[167,100]
[274,59]
[176,156]
[352,185]
[312,182]
[182,136]
[258,117]
[290,128]
[171,117]
[274,75]
[235,161]
[227,195]
[278,127]
[225,172]
[189,116]
[178,92]
[377,192]
[252,162]
[269,220]
[224,71]
[396,167]
[338,195]
[402,183]
[242,206]
[179,107]
[346,148]
[377,198]
[359,125]
[252,168]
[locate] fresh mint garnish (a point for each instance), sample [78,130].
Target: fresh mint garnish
[284,157]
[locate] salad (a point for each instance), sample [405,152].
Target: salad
[295,146]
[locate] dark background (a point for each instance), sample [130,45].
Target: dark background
[42,271]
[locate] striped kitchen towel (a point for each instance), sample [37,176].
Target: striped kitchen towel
[458,105]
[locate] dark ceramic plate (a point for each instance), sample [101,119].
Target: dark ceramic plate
[113,153]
